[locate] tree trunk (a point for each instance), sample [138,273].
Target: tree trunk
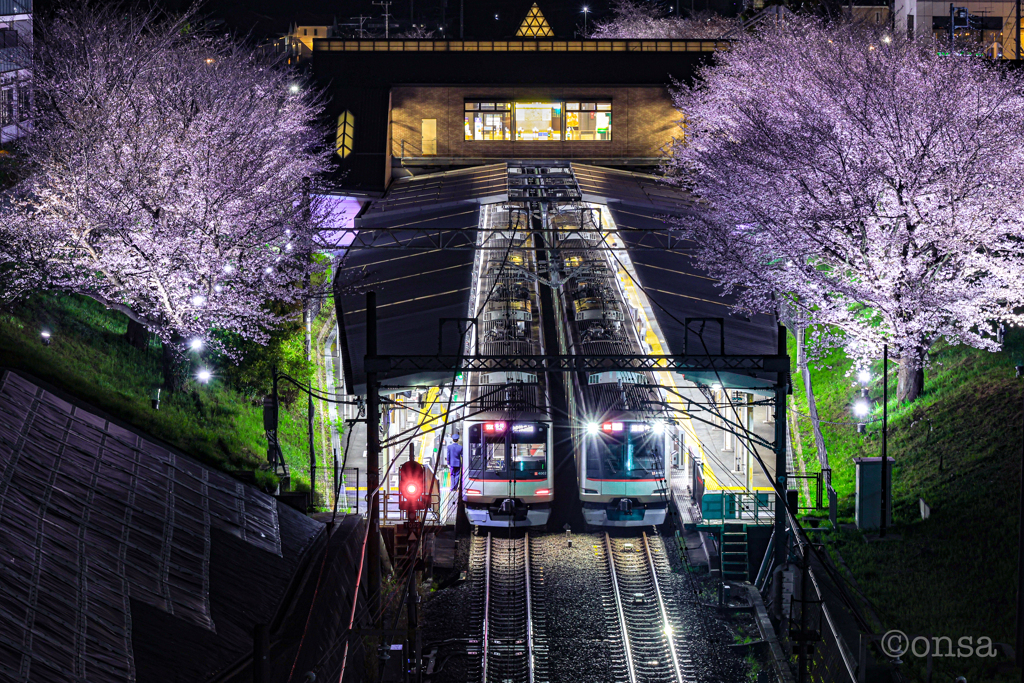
[137,335]
[172,362]
[911,377]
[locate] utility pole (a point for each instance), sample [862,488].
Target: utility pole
[372,458]
[307,315]
[781,481]
[1019,650]
[461,20]
[387,15]
[885,441]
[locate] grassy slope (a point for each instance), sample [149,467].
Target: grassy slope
[90,360]
[955,573]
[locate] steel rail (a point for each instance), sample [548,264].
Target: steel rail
[529,610]
[487,606]
[618,607]
[661,608]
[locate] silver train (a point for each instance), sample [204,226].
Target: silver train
[508,442]
[622,437]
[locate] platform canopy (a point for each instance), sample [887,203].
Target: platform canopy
[418,281]
[640,203]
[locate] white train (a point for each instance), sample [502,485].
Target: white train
[507,443]
[621,434]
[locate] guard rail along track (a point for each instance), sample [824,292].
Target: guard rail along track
[508,611]
[652,646]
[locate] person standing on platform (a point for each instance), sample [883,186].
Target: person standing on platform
[454,457]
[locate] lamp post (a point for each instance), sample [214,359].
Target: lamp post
[885,438]
[1019,650]
[586,11]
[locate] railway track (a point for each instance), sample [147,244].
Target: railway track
[512,646]
[652,648]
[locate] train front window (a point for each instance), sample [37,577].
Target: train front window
[625,454]
[504,451]
[529,450]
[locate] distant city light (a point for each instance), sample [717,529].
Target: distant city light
[294,87]
[268,270]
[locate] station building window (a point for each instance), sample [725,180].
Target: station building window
[488,120]
[538,121]
[588,120]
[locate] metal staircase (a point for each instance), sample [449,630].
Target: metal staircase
[734,552]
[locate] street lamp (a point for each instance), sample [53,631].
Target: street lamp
[204,375]
[44,337]
[861,408]
[196,345]
[1019,650]
[586,11]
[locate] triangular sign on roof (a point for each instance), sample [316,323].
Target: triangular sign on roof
[535,25]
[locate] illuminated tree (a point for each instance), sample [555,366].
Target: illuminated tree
[867,179]
[634,19]
[167,175]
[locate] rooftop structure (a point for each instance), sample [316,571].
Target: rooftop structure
[15,67]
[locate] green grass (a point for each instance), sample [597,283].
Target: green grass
[959,448]
[220,423]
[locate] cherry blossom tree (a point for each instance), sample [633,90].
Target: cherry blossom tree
[865,179]
[636,19]
[169,175]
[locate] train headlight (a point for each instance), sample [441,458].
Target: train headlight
[659,427]
[593,428]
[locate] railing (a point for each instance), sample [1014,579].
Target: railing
[350,500]
[830,656]
[756,507]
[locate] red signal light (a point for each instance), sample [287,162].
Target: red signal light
[410,486]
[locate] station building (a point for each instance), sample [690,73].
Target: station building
[435,137]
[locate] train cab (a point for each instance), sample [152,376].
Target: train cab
[623,471]
[509,475]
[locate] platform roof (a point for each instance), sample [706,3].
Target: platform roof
[415,288]
[677,290]
[418,287]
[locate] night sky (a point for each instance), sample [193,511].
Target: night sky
[268,18]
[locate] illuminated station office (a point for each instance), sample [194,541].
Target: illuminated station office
[433,140]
